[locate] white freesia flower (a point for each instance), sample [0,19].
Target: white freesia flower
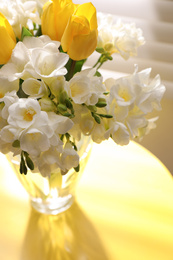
[118,37]
[69,158]
[8,100]
[98,133]
[15,68]
[6,87]
[43,42]
[48,161]
[134,121]
[105,33]
[34,141]
[84,87]
[132,97]
[37,58]
[86,123]
[6,147]
[57,85]
[18,13]
[47,104]
[24,113]
[151,124]
[60,124]
[127,39]
[152,91]
[122,91]
[76,130]
[40,4]
[119,133]
[10,133]
[3,122]
[34,88]
[46,65]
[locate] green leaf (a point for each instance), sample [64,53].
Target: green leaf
[25,32]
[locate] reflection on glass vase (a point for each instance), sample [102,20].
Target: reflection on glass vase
[54,194]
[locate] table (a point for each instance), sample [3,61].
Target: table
[123,211]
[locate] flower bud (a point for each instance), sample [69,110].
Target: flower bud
[46,104]
[62,108]
[101,102]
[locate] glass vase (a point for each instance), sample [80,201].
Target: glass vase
[56,193]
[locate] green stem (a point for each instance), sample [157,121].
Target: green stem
[71,71]
[99,66]
[96,64]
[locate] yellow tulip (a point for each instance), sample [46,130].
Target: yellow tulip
[79,39]
[74,25]
[55,17]
[8,40]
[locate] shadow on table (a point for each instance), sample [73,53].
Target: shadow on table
[67,236]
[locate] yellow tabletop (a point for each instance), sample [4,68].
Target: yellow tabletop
[123,211]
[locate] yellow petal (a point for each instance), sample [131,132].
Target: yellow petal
[61,3]
[48,22]
[89,11]
[55,18]
[80,25]
[62,17]
[82,46]
[76,26]
[8,40]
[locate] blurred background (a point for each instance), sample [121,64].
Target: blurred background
[155,18]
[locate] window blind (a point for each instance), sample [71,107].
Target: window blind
[155,18]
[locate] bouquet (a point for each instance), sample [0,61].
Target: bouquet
[49,99]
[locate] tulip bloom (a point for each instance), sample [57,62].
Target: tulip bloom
[79,39]
[8,40]
[74,25]
[55,18]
